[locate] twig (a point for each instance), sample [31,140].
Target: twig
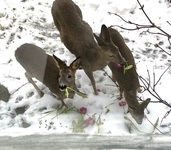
[129,29]
[162,75]
[153,125]
[111,78]
[138,26]
[157,33]
[142,26]
[19,88]
[168,23]
[130,22]
[152,23]
[156,45]
[152,91]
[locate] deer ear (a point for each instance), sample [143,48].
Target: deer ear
[144,104]
[99,40]
[76,63]
[59,62]
[105,35]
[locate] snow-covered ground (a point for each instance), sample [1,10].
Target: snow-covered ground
[30,21]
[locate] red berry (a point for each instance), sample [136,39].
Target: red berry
[82,110]
[117,65]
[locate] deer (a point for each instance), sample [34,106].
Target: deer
[127,79]
[78,37]
[50,70]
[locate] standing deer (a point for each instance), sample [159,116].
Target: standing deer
[128,80]
[78,37]
[51,71]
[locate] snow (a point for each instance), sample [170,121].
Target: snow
[31,22]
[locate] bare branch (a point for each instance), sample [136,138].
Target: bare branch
[19,88]
[156,45]
[141,26]
[138,26]
[168,23]
[158,33]
[152,91]
[119,17]
[129,29]
[142,8]
[111,78]
[162,75]
[152,23]
[154,126]
[132,29]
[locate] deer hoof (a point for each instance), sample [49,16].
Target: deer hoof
[41,94]
[95,93]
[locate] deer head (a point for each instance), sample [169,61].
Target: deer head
[108,49]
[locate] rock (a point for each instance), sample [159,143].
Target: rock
[4,93]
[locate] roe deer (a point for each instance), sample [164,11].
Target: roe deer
[51,71]
[78,38]
[128,81]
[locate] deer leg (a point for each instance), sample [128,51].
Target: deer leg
[121,92]
[35,86]
[90,75]
[63,103]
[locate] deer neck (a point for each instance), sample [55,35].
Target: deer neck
[131,99]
